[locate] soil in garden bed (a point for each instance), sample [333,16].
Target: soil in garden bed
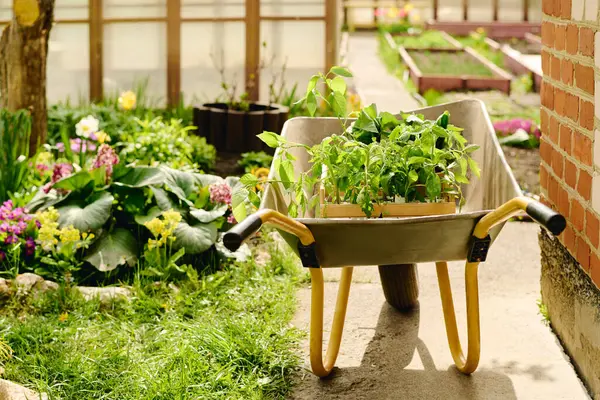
[481,47]
[227,164]
[522,46]
[426,40]
[449,63]
[525,165]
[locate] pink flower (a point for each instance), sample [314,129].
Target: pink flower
[60,171]
[220,193]
[42,168]
[106,157]
[29,246]
[231,219]
[77,145]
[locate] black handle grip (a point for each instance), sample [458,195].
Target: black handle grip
[546,217]
[234,238]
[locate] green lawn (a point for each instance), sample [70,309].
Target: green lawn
[226,335]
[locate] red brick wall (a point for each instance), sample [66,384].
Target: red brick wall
[568,120]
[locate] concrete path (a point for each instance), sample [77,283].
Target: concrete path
[386,354]
[373,83]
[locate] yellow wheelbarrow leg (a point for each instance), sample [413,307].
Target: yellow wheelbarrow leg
[468,364]
[319,367]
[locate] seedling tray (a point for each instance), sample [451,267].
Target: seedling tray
[494,77]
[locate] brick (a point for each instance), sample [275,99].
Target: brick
[586,114]
[577,215]
[569,239]
[557,7]
[583,253]
[547,95]
[582,148]
[592,228]
[546,62]
[563,202]
[595,269]
[566,74]
[560,100]
[543,177]
[555,68]
[565,9]
[584,78]
[558,163]
[572,106]
[548,33]
[586,42]
[548,7]
[565,138]
[545,151]
[553,130]
[584,185]
[560,34]
[572,42]
[552,190]
[544,118]
[570,173]
[596,193]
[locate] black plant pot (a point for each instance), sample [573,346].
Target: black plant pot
[235,131]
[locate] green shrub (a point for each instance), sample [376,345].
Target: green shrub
[15,132]
[255,159]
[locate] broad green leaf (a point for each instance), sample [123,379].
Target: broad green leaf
[338,84]
[154,212]
[286,173]
[472,147]
[312,84]
[87,215]
[99,175]
[341,71]
[165,200]
[371,111]
[205,216]
[249,180]
[196,238]
[413,176]
[181,183]
[113,249]
[74,182]
[416,160]
[271,139]
[338,104]
[239,212]
[311,103]
[412,118]
[140,177]
[254,199]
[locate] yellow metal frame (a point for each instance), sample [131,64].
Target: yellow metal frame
[466,365]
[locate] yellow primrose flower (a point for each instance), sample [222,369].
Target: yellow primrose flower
[127,100]
[155,226]
[63,317]
[172,219]
[48,216]
[44,158]
[102,137]
[154,244]
[69,235]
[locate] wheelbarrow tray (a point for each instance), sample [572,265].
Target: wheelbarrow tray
[384,241]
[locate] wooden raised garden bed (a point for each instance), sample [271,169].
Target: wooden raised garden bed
[429,39]
[453,69]
[235,131]
[493,29]
[517,51]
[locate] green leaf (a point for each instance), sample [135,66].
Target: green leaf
[388,121]
[339,104]
[196,238]
[113,249]
[74,182]
[474,167]
[140,177]
[311,104]
[239,212]
[205,216]
[86,215]
[433,186]
[471,148]
[413,176]
[443,120]
[371,111]
[412,118]
[286,173]
[270,139]
[175,257]
[249,180]
[341,71]
[154,212]
[312,84]
[338,85]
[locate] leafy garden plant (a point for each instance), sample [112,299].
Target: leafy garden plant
[378,158]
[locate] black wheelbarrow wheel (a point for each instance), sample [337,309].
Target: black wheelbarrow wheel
[400,285]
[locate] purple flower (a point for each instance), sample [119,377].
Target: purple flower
[77,145]
[508,127]
[10,239]
[4,227]
[220,193]
[106,157]
[29,246]
[42,168]
[2,256]
[60,171]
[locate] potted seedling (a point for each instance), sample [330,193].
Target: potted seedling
[378,164]
[232,122]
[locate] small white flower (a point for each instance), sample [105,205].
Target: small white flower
[87,126]
[21,158]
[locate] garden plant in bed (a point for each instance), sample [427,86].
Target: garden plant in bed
[377,160]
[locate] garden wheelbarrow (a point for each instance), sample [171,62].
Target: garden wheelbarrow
[399,243]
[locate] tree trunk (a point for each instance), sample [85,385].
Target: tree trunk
[23,53]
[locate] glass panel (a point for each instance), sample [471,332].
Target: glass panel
[5,10]
[299,44]
[535,10]
[212,8]
[450,10]
[135,8]
[511,11]
[481,10]
[200,78]
[71,9]
[129,61]
[68,63]
[292,8]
